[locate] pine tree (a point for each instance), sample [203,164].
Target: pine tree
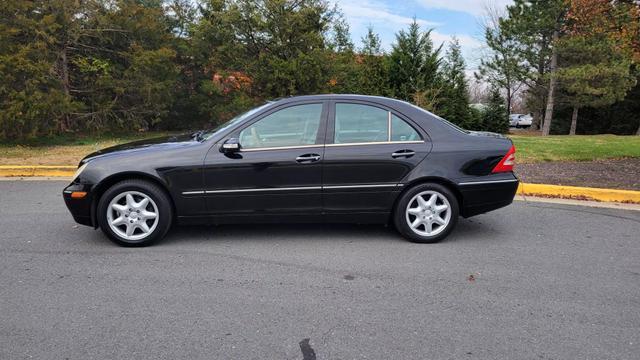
[373,70]
[535,26]
[454,105]
[33,100]
[495,117]
[504,67]
[596,55]
[413,67]
[344,77]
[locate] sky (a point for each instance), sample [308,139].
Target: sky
[447,18]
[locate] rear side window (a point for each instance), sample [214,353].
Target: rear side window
[357,123]
[401,131]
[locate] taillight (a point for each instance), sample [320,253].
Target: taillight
[507,162]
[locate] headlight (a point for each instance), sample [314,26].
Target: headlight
[79,171]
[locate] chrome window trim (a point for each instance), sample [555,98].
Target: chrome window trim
[332,145]
[281,147]
[379,143]
[389,126]
[487,182]
[360,186]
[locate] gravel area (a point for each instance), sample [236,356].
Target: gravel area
[613,174]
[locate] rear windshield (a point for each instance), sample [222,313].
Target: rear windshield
[456,127]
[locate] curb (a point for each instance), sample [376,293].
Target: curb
[579,193]
[525,189]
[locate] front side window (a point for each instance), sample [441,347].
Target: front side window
[356,123]
[294,126]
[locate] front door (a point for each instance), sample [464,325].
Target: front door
[369,150]
[278,170]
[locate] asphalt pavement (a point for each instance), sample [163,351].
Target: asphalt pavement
[530,281]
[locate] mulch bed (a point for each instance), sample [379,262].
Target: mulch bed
[612,174]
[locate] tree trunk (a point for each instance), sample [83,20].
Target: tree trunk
[509,101]
[64,78]
[638,132]
[574,121]
[552,86]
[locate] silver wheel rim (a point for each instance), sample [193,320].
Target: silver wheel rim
[428,213]
[132,215]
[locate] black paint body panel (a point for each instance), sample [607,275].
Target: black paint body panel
[209,186]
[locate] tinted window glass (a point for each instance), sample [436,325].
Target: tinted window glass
[293,126]
[357,123]
[401,131]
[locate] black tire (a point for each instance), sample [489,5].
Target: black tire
[153,191]
[400,216]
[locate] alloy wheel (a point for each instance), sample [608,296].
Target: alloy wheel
[428,213]
[132,215]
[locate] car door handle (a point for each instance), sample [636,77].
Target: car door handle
[307,158]
[403,153]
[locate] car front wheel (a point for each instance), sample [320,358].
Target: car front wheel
[426,213]
[134,213]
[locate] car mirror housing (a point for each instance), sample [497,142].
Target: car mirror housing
[230,146]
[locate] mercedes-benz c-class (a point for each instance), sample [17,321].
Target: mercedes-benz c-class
[321,158]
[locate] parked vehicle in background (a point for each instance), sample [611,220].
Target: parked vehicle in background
[323,158]
[520,120]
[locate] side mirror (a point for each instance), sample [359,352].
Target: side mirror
[231,145]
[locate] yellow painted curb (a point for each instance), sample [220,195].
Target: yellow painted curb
[579,193]
[37,170]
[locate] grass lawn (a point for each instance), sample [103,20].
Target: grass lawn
[532,149]
[63,150]
[68,150]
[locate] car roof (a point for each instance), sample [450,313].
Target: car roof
[372,98]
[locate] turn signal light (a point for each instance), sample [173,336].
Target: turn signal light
[507,162]
[78,194]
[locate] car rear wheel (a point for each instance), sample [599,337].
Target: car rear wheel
[426,213]
[134,213]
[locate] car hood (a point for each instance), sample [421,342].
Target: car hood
[154,144]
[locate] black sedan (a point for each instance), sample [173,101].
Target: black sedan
[324,158]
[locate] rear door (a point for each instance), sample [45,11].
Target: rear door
[369,149]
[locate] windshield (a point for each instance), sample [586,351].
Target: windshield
[209,133]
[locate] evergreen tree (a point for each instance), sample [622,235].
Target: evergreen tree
[344,77]
[535,26]
[495,117]
[413,67]
[454,105]
[504,67]
[32,98]
[373,71]
[596,55]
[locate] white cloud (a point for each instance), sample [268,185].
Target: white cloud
[386,21]
[474,7]
[470,46]
[371,11]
